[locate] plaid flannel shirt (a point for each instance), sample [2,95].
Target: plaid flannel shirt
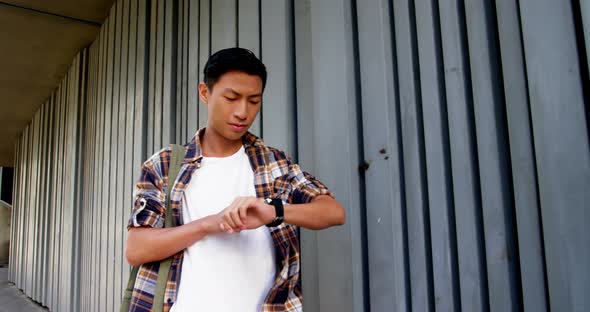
[274,176]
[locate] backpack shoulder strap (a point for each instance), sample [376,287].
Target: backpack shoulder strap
[176,157]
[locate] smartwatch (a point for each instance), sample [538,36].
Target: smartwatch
[280,212]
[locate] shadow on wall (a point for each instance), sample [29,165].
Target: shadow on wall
[5,211]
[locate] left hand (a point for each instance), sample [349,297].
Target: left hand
[246,213]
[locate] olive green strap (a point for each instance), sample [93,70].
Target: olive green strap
[129,290]
[176,158]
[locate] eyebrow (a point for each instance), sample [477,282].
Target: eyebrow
[237,93]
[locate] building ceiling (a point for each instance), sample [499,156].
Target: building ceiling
[38,41]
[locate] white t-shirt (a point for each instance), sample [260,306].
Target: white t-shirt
[224,272]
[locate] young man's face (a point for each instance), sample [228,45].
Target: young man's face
[232,103]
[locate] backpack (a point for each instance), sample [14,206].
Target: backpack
[176,157]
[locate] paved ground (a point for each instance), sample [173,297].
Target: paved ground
[14,300]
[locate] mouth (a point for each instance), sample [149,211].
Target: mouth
[238,127]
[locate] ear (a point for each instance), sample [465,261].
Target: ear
[204,92]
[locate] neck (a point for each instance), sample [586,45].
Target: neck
[215,145]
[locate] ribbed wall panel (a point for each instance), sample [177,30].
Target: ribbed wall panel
[454,132]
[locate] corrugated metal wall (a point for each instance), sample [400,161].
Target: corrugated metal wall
[454,132]
[45,242]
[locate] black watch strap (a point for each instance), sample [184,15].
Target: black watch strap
[280,211]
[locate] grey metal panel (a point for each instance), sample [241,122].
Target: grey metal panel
[386,230]
[169,99]
[43,204]
[27,145]
[585,13]
[118,177]
[71,169]
[158,123]
[181,71]
[466,197]
[204,51]
[65,225]
[34,251]
[412,136]
[33,207]
[249,37]
[97,233]
[139,146]
[436,150]
[339,253]
[86,192]
[15,221]
[113,248]
[78,183]
[492,141]
[532,264]
[104,293]
[51,178]
[305,126]
[60,164]
[51,202]
[152,76]
[26,210]
[279,96]
[38,121]
[193,66]
[179,105]
[90,175]
[129,54]
[223,24]
[561,144]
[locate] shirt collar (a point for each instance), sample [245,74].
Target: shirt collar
[194,151]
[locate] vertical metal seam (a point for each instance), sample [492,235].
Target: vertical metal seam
[401,166]
[536,165]
[261,112]
[452,223]
[472,134]
[293,68]
[361,158]
[510,225]
[582,60]
[422,156]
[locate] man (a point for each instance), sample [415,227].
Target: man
[232,250]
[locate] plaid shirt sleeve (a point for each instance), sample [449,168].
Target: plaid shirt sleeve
[292,183]
[149,198]
[304,186]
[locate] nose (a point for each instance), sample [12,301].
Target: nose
[240,111]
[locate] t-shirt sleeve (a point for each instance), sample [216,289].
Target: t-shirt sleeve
[304,186]
[149,207]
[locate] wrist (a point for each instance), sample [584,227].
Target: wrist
[205,226]
[277,205]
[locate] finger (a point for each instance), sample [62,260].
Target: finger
[235,213]
[225,228]
[227,218]
[243,212]
[227,211]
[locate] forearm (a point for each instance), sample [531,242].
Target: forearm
[154,244]
[320,213]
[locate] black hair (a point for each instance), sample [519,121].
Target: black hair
[226,60]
